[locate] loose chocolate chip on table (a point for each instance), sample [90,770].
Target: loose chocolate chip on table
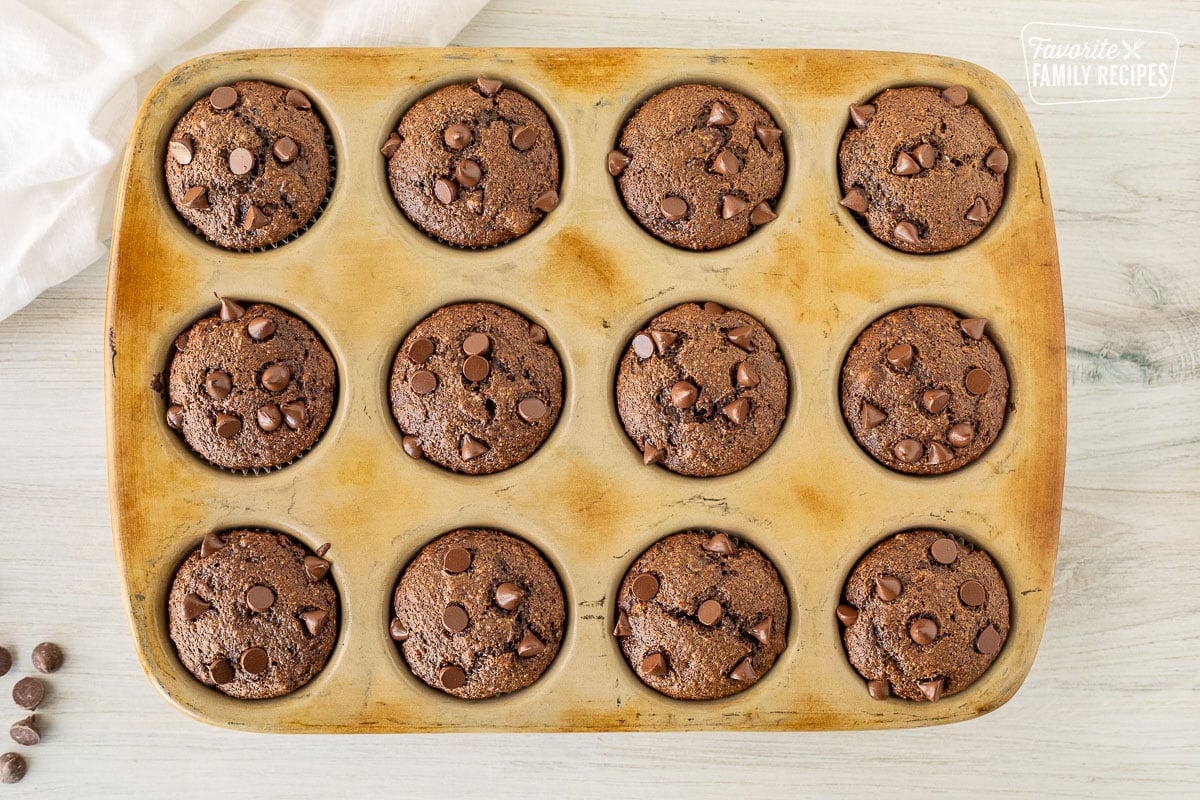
[476,368]
[456,560]
[923,630]
[710,612]
[297,99]
[654,664]
[944,551]
[260,598]
[5,661]
[196,198]
[530,646]
[972,594]
[455,618]
[847,614]
[524,137]
[468,174]
[420,351]
[181,149]
[888,587]
[29,693]
[241,161]
[12,768]
[617,162]
[452,677]
[531,409]
[673,208]
[25,731]
[955,95]
[286,149]
[645,587]
[457,136]
[260,328]
[509,596]
[223,97]
[254,660]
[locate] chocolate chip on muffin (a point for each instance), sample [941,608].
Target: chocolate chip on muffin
[924,615]
[700,167]
[923,168]
[924,391]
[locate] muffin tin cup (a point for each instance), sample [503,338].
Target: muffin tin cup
[814,502]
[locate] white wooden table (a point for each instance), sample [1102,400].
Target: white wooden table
[1112,706]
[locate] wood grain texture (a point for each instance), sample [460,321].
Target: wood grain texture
[1111,705]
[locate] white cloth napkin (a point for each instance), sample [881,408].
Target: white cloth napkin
[72,73]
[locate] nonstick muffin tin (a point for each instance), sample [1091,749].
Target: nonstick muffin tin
[363,276]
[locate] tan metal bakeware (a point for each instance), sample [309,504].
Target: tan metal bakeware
[362,276]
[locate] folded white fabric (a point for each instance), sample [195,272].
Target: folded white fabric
[72,73]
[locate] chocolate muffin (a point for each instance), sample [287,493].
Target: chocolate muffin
[924,615]
[923,168]
[702,390]
[478,613]
[701,615]
[476,388]
[250,388]
[700,166]
[474,164]
[249,164]
[253,613]
[924,391]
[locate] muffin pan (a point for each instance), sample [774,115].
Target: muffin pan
[362,276]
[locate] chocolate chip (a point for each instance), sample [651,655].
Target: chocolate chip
[47,657]
[726,163]
[452,677]
[29,693]
[175,417]
[720,115]
[855,200]
[925,155]
[744,671]
[531,409]
[546,202]
[972,593]
[314,620]
[412,447]
[762,214]
[524,137]
[907,232]
[420,350]
[746,376]
[909,450]
[900,356]
[218,385]
[315,568]
[230,309]
[879,690]
[762,630]
[509,596]
[973,327]
[938,454]
[530,646]
[742,336]
[476,368]
[645,586]
[241,161]
[194,605]
[732,205]
[684,394]
[255,219]
[489,86]
[871,416]
[862,115]
[737,411]
[710,613]
[977,213]
[643,346]
[467,173]
[923,630]
[276,377]
[720,543]
[295,415]
[954,95]
[323,549]
[477,344]
[297,99]
[935,400]
[978,381]
[260,328]
[712,309]
[932,689]
[961,434]
[767,135]
[423,382]
[455,619]
[906,165]
[181,149]
[5,661]
[223,98]
[228,425]
[673,208]
[471,448]
[888,588]
[196,198]
[989,641]
[654,664]
[211,544]
[652,454]
[622,628]
[286,150]
[25,731]
[445,191]
[457,136]
[997,160]
[397,630]
[456,560]
[391,145]
[12,768]
[260,598]
[847,614]
[254,660]
[617,162]
[663,340]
